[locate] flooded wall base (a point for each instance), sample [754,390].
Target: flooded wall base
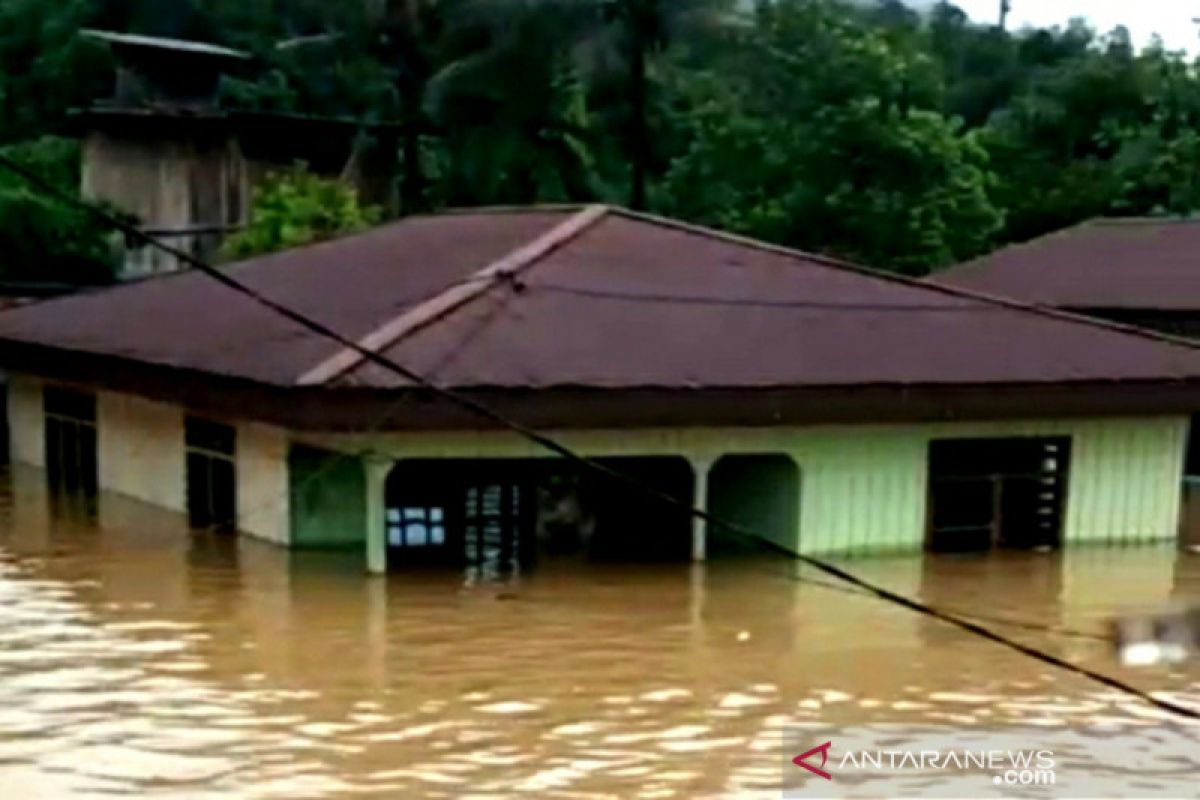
[328,494]
[141,455]
[864,488]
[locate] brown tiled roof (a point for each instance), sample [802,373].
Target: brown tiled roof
[596,299]
[1102,264]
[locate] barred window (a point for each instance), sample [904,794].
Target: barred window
[70,439]
[211,474]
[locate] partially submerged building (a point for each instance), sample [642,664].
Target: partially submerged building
[828,408]
[1143,272]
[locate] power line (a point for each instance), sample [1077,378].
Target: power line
[485,412]
[700,300]
[1057,630]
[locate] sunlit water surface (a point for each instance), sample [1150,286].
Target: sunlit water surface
[138,659]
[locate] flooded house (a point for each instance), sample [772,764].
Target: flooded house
[824,407]
[1134,271]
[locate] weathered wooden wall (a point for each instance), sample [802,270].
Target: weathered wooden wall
[169,185]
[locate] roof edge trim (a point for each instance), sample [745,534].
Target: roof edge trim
[458,295]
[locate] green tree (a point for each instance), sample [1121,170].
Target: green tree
[43,240]
[625,45]
[1157,165]
[45,67]
[296,208]
[827,140]
[500,146]
[1055,145]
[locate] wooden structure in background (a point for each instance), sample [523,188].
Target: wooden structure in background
[163,149]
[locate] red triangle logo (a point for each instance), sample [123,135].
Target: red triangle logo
[801,760]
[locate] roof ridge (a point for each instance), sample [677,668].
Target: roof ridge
[1173,220]
[442,303]
[891,277]
[968,266]
[981,261]
[534,208]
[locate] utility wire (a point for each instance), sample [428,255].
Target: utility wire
[996,619]
[750,302]
[485,412]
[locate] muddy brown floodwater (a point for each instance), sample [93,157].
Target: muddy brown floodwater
[138,659]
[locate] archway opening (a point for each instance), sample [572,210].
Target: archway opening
[759,494]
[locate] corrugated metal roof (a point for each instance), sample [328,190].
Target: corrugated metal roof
[1102,264]
[614,301]
[354,285]
[782,319]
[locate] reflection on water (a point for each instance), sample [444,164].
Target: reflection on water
[135,657]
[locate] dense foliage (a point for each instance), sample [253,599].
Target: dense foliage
[297,208]
[43,240]
[861,129]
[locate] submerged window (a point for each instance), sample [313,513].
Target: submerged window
[492,525]
[211,474]
[997,492]
[70,428]
[416,526]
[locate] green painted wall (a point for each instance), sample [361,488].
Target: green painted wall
[864,487]
[327,499]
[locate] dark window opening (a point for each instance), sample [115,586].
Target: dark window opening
[1191,467]
[211,474]
[5,437]
[70,431]
[986,493]
[492,523]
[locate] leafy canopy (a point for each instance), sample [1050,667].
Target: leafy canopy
[864,129]
[296,208]
[43,240]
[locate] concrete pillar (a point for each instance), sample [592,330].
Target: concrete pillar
[376,468]
[700,467]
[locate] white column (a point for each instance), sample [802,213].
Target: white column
[377,469]
[700,467]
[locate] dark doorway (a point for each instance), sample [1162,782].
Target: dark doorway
[758,493]
[642,524]
[460,513]
[986,493]
[500,515]
[71,462]
[1189,516]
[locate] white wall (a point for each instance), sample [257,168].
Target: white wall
[27,433]
[141,449]
[262,482]
[141,454]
